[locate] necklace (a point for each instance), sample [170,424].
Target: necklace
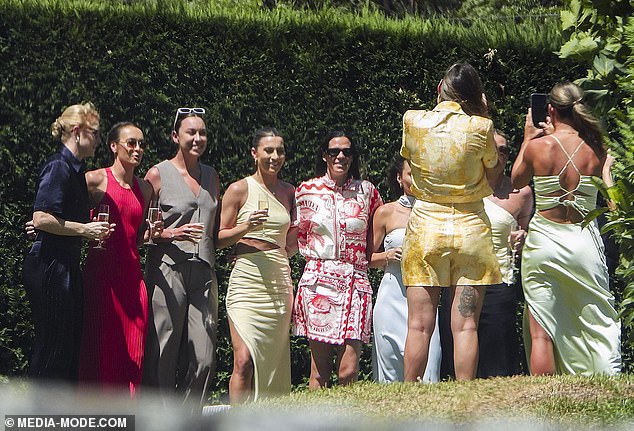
[407,201]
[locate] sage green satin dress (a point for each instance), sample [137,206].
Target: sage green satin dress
[565,281]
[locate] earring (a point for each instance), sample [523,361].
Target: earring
[77,139]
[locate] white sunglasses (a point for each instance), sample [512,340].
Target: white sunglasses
[183,111]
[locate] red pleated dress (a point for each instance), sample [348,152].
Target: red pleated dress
[115,298]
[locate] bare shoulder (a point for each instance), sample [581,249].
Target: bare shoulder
[387,210]
[94,179]
[237,188]
[153,174]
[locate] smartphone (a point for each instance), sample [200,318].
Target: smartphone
[539,111]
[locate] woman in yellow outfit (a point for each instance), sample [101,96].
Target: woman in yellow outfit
[448,239]
[257,215]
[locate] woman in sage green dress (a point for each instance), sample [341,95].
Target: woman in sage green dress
[574,328]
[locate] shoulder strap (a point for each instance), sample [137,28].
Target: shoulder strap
[569,156]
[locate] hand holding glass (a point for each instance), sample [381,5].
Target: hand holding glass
[196,232]
[154,215]
[103,215]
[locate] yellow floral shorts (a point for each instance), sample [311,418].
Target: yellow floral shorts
[449,245]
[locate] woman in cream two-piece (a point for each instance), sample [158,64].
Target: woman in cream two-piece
[257,215]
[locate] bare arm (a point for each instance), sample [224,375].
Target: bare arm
[523,171]
[291,236]
[606,171]
[527,206]
[229,232]
[378,256]
[55,225]
[148,196]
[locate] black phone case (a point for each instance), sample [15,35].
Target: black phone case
[539,101]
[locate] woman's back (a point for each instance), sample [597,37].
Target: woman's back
[562,166]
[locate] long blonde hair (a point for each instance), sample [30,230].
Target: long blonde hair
[567,99]
[74,115]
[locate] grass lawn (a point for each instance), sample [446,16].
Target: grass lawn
[568,400]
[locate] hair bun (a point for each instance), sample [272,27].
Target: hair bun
[57,128]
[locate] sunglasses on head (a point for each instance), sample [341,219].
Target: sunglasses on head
[131,144]
[184,111]
[334,152]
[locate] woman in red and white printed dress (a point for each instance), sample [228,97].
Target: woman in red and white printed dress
[333,306]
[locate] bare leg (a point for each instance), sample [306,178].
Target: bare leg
[321,364]
[465,313]
[348,362]
[241,382]
[542,359]
[422,304]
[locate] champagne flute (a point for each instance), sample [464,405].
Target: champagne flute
[154,215]
[263,205]
[196,238]
[513,251]
[263,202]
[102,215]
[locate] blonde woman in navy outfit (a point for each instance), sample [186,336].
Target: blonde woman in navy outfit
[51,270]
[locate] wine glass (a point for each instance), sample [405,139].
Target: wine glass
[263,204]
[154,215]
[513,251]
[102,215]
[196,237]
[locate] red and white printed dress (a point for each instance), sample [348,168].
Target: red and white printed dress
[334,296]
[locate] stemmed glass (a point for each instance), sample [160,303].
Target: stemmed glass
[513,251]
[102,215]
[263,204]
[196,237]
[153,215]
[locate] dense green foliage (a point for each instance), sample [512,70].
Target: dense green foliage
[600,34]
[303,73]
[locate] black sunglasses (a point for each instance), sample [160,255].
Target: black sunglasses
[334,152]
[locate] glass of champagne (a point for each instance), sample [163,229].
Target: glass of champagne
[196,237]
[154,215]
[513,251]
[263,204]
[102,215]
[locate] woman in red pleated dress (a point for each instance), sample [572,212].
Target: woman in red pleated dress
[115,303]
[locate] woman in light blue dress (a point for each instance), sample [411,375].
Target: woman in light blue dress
[574,328]
[390,311]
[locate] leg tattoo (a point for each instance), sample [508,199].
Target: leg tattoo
[468,302]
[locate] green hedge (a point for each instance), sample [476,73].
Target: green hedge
[303,73]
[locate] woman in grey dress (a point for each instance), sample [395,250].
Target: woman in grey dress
[179,271]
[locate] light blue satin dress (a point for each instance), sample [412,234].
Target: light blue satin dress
[390,324]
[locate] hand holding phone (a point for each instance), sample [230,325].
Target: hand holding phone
[539,111]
